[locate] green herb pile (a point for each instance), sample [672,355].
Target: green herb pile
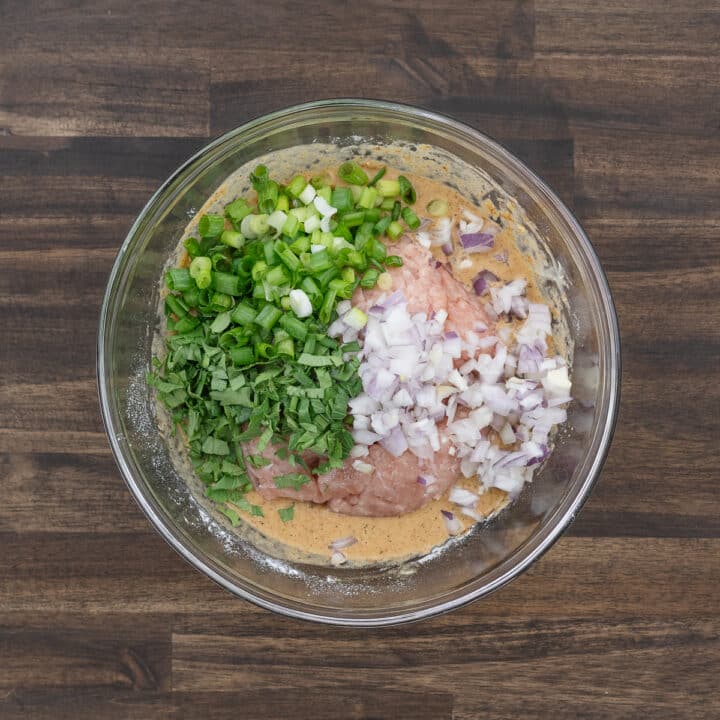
[247,352]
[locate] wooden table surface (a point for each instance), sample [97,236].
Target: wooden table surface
[615,103]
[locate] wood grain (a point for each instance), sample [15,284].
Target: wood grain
[616,104]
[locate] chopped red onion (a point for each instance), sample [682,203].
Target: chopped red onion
[478,242]
[447,248]
[396,442]
[482,281]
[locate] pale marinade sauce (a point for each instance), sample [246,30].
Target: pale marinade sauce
[388,539]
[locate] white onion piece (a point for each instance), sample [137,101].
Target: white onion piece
[342,543]
[363,467]
[461,496]
[337,558]
[453,525]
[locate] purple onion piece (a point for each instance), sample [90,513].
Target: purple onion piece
[482,280]
[447,248]
[448,514]
[477,242]
[421,480]
[451,335]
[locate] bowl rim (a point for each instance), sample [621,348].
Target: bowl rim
[554,526]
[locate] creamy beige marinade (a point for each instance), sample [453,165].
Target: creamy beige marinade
[383,539]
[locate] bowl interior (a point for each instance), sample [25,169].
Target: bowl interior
[490,555]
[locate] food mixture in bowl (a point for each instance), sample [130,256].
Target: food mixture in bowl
[358,363]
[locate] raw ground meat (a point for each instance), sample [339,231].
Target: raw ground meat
[393,487]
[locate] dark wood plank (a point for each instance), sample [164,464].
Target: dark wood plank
[276,26]
[619,27]
[100,89]
[66,492]
[70,572]
[354,704]
[642,173]
[489,656]
[81,653]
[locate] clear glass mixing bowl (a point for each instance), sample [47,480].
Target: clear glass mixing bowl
[490,556]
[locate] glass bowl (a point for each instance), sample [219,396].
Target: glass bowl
[493,553]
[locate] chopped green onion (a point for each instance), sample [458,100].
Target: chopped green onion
[276,276]
[220,323]
[300,303]
[388,188]
[377,176]
[393,261]
[385,281]
[327,306]
[265,350]
[407,191]
[175,306]
[283,203]
[237,210]
[296,185]
[341,199]
[397,209]
[220,302]
[325,192]
[301,245]
[293,327]
[192,246]
[343,288]
[286,348]
[259,270]
[210,226]
[232,238]
[382,225]
[287,255]
[317,262]
[369,278]
[242,356]
[268,316]
[372,215]
[254,226]
[277,219]
[290,226]
[243,314]
[368,197]
[355,318]
[352,173]
[179,279]
[387,204]
[269,250]
[226,283]
[309,286]
[412,220]
[438,208]
[353,219]
[376,249]
[186,324]
[395,230]
[200,271]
